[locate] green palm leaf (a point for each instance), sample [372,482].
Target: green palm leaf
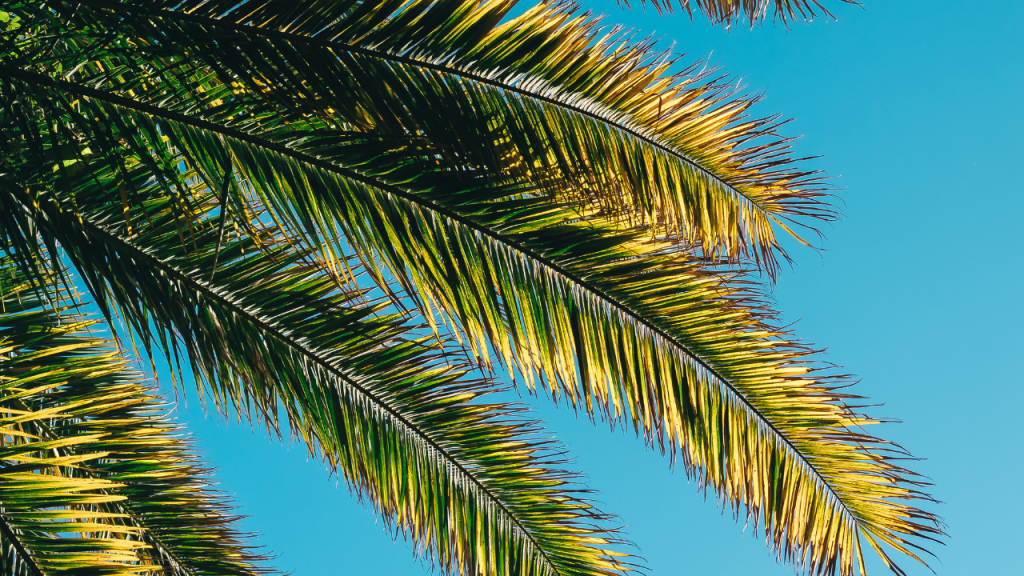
[362,147]
[472,483]
[676,152]
[95,479]
[794,443]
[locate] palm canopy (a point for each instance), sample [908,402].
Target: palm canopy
[348,214]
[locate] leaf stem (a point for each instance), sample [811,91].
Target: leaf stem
[8,531]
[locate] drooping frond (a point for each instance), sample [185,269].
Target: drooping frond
[729,11]
[473,484]
[95,479]
[587,111]
[615,324]
[622,325]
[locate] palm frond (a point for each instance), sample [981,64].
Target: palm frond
[729,11]
[95,479]
[677,152]
[617,323]
[473,484]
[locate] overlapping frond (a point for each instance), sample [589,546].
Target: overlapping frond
[94,478]
[471,483]
[617,325]
[356,153]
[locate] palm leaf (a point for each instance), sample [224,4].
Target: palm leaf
[96,480]
[605,317]
[729,11]
[472,483]
[676,152]
[757,428]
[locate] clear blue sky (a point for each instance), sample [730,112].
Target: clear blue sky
[916,106]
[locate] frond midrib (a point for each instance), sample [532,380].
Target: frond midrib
[267,326]
[412,198]
[383,55]
[8,531]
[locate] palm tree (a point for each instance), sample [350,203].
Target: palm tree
[347,220]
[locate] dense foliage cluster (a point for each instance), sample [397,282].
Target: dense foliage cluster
[347,220]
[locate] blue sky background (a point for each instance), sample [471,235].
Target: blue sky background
[916,107]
